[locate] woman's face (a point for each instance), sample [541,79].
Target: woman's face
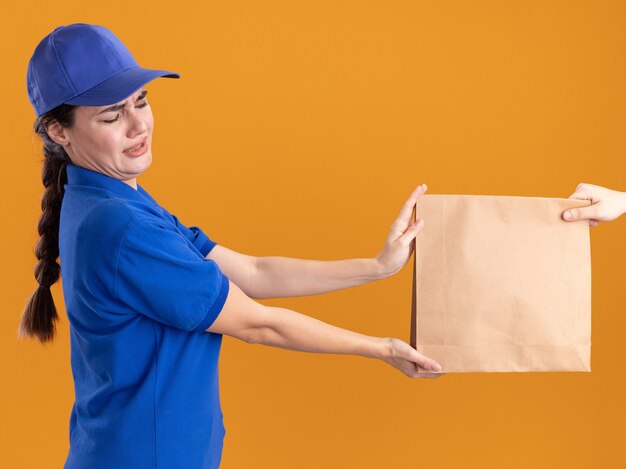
[102,134]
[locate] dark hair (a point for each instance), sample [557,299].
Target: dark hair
[40,313]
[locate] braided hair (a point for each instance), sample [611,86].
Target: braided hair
[39,316]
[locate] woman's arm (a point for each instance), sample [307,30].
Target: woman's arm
[255,323]
[279,277]
[276,276]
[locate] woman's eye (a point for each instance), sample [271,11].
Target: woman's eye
[112,120]
[144,104]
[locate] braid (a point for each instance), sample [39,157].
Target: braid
[38,319]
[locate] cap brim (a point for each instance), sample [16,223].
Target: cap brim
[119,86]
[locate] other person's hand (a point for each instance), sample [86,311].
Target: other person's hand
[607,204]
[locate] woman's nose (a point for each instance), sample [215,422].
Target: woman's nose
[138,122]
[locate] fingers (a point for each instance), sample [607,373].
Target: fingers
[408,360]
[412,370]
[423,361]
[606,204]
[407,209]
[411,232]
[428,375]
[581,213]
[424,373]
[581,193]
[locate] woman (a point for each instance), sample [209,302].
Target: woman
[148,298]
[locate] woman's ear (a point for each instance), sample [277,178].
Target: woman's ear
[57,133]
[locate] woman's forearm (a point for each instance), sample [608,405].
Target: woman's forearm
[284,328]
[280,277]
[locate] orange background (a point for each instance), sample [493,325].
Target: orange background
[299,129]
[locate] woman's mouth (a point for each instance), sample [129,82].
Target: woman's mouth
[138,149]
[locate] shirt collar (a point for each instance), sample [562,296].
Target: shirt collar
[77,175]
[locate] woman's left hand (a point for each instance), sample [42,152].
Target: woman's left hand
[398,246]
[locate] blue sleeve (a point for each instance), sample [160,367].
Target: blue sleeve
[158,275]
[194,234]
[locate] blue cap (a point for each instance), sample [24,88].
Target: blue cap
[84,64]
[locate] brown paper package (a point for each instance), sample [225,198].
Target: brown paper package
[501,283]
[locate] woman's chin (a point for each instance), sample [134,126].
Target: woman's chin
[144,161]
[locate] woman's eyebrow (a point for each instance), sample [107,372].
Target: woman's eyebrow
[117,107]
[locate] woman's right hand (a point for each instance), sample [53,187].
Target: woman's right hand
[606,204]
[405,358]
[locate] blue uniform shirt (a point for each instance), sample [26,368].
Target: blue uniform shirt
[139,294]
